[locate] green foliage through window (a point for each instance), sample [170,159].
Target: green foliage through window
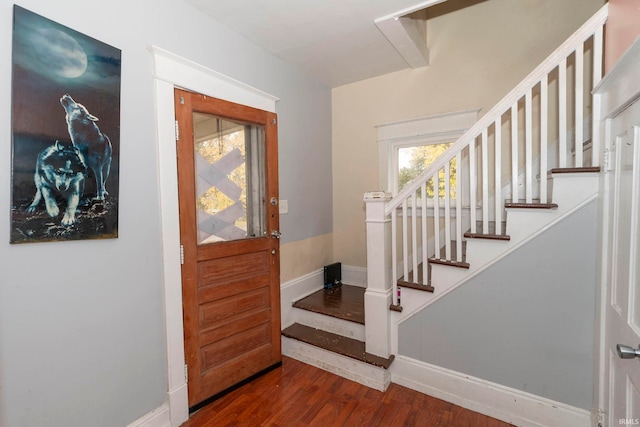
[413,160]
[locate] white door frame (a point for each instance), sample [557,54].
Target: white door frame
[171,71]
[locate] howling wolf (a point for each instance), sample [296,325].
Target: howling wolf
[85,135]
[59,169]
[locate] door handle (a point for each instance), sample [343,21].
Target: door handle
[626,352]
[276,234]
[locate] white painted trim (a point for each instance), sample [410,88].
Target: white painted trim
[488,398]
[173,71]
[454,121]
[159,417]
[296,289]
[406,39]
[184,73]
[407,10]
[355,276]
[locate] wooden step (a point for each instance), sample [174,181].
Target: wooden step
[344,346]
[457,264]
[343,302]
[489,234]
[521,205]
[416,286]
[594,169]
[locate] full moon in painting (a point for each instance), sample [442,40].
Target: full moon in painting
[61,53]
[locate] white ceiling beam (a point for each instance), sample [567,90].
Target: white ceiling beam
[404,35]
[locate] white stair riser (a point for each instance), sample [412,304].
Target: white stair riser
[572,188]
[326,323]
[346,367]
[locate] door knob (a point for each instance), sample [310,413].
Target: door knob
[626,352]
[276,234]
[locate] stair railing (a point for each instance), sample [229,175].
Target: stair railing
[544,113]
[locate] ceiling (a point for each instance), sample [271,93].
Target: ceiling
[337,41]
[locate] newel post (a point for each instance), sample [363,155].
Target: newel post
[377,297]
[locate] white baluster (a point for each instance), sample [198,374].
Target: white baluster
[458,208]
[562,113]
[414,237]
[597,76]
[579,140]
[425,239]
[514,153]
[473,184]
[394,257]
[528,147]
[485,181]
[544,132]
[447,211]
[498,177]
[436,216]
[405,242]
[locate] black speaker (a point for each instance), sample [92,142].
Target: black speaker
[332,275]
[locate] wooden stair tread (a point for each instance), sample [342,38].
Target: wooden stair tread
[489,234]
[417,286]
[343,302]
[458,264]
[594,169]
[349,347]
[520,205]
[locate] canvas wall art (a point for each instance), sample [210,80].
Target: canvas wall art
[65,133]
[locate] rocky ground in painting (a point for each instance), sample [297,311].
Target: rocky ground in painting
[94,220]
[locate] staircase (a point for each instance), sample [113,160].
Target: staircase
[420,247]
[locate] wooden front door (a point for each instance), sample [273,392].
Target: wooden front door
[228,194]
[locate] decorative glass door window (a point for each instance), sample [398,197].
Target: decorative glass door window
[230,189]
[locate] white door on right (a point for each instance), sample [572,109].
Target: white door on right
[622,331]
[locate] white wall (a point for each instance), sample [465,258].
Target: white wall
[478,54]
[526,322]
[81,323]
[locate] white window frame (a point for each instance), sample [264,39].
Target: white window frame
[427,130]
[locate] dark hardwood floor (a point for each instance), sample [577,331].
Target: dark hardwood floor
[298,394]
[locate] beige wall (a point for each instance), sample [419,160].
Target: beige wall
[478,54]
[622,29]
[305,256]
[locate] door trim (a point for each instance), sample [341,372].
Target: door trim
[172,71]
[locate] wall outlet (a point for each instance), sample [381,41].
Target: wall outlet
[284,206]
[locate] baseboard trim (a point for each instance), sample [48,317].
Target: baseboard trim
[159,417]
[491,399]
[179,404]
[293,290]
[356,276]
